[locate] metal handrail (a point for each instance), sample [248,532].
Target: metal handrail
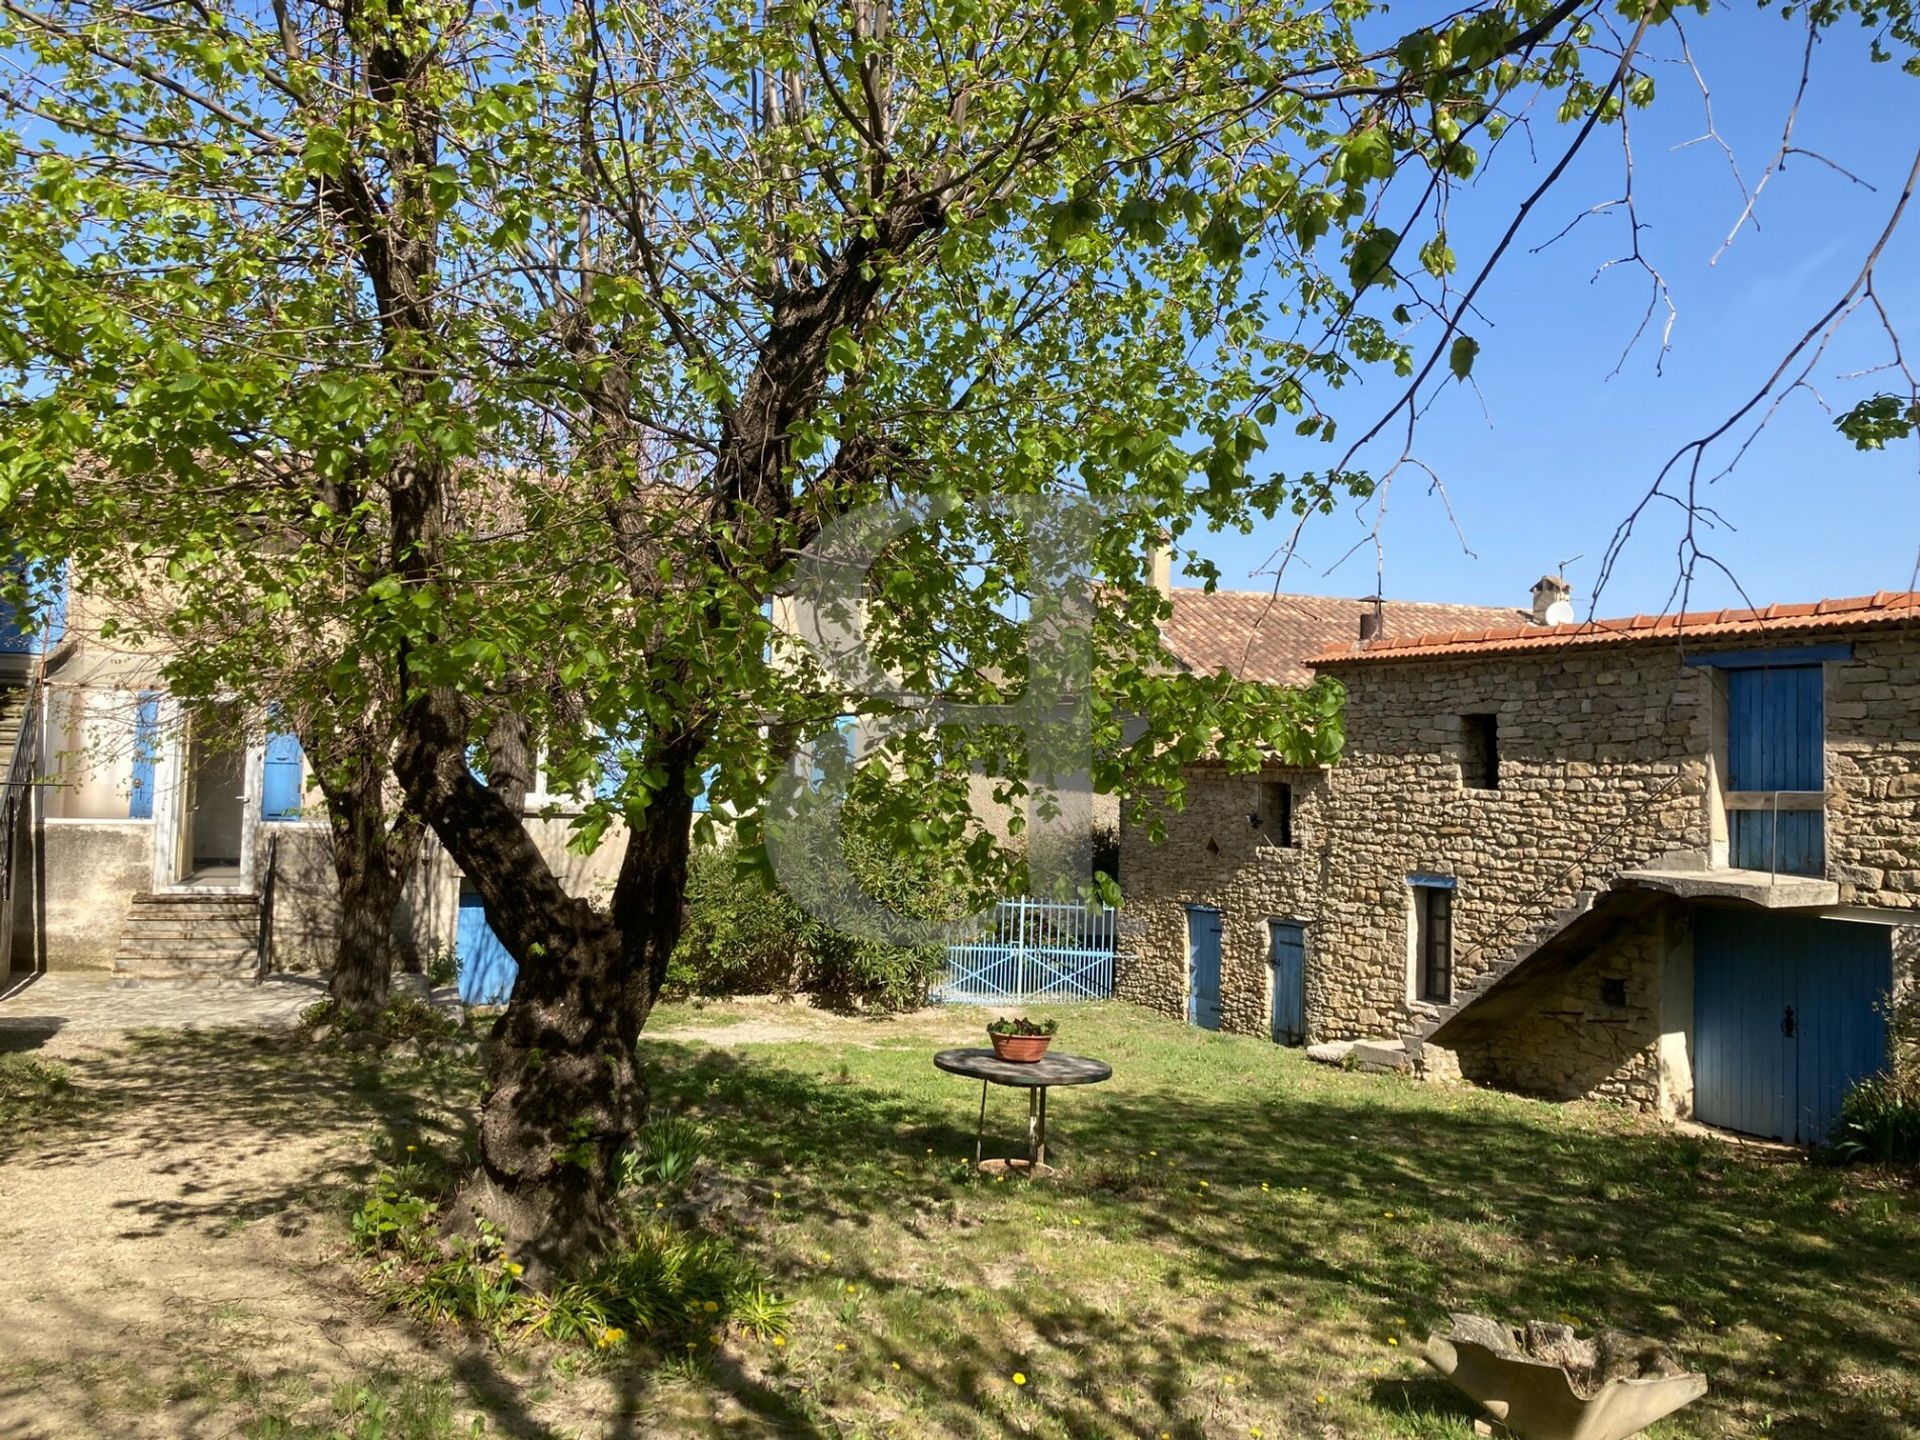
[15,802]
[263,942]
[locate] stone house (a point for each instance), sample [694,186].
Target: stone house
[1667,860]
[140,833]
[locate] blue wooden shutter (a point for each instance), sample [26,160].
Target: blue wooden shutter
[146,748]
[1776,737]
[280,788]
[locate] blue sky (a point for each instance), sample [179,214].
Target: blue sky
[1561,453]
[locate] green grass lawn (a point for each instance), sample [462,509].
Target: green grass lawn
[1248,1244]
[1243,1244]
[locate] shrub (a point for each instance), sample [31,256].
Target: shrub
[742,936]
[1880,1118]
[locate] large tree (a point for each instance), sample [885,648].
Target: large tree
[566,327]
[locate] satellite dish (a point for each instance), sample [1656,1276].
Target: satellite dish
[1560,612]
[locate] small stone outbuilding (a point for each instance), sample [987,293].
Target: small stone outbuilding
[1669,860]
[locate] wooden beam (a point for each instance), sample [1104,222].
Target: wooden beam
[1776,799]
[1769,659]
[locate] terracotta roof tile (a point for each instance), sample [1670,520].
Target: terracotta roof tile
[1257,635]
[1888,607]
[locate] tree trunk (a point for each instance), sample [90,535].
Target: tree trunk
[564,1088]
[371,861]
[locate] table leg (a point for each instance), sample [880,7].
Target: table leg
[1037,1126]
[981,1128]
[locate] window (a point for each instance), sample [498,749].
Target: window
[1275,818]
[1433,940]
[1480,752]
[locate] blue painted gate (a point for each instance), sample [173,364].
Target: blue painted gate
[1776,736]
[1033,950]
[1289,938]
[487,971]
[1786,1018]
[1203,967]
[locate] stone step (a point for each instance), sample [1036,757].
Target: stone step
[1382,1057]
[188,936]
[228,970]
[1376,1057]
[221,924]
[186,947]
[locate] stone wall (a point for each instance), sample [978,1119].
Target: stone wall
[1602,766]
[1214,856]
[72,894]
[1873,772]
[1591,1021]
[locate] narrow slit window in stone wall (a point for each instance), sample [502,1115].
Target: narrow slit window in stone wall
[1433,941]
[1275,818]
[1480,752]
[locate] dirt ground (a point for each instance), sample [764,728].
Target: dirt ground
[172,1259]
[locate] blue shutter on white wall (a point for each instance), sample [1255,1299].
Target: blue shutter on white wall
[146,748]
[280,789]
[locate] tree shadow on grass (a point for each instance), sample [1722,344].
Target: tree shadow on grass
[1417,1204]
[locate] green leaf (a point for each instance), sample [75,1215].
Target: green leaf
[1461,356]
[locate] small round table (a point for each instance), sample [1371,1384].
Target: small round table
[1036,1077]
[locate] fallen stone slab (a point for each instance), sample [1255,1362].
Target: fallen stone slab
[1543,1381]
[1330,1052]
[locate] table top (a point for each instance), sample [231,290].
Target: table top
[1053,1068]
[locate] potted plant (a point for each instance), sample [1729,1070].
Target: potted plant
[1021,1038]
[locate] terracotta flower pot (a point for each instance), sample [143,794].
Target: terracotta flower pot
[1019,1047]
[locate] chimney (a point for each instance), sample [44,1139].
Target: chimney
[1160,563]
[1369,625]
[1552,601]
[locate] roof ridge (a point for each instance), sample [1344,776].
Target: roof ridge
[1883,606]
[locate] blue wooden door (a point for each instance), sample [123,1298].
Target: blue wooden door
[1203,967]
[1289,981]
[487,971]
[1841,1027]
[1786,1019]
[1776,737]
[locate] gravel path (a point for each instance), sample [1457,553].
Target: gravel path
[36,1008]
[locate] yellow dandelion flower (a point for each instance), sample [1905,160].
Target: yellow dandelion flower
[1203,1185]
[776,1194]
[1387,1213]
[840,1346]
[852,1288]
[712,1307]
[779,1341]
[896,1364]
[1254,1431]
[1319,1399]
[1393,1339]
[1019,1377]
[1265,1186]
[516,1270]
